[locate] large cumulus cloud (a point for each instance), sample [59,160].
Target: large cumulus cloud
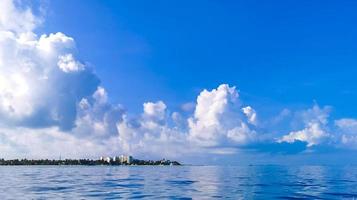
[40,79]
[218,119]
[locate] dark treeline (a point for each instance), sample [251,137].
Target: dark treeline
[85,162]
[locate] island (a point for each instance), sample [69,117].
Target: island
[119,160]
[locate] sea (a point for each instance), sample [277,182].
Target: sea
[178,182]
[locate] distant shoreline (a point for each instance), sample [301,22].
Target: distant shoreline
[86,162]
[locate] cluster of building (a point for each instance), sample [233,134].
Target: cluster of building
[118,159]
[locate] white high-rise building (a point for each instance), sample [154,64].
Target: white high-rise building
[122,158]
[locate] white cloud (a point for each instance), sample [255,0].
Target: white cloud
[157,132]
[347,129]
[347,125]
[51,143]
[68,64]
[315,120]
[241,134]
[15,19]
[151,134]
[96,118]
[218,118]
[155,110]
[349,141]
[316,114]
[313,134]
[100,95]
[251,114]
[34,91]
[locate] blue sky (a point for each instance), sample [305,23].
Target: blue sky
[200,81]
[282,53]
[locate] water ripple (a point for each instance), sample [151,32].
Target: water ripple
[186,182]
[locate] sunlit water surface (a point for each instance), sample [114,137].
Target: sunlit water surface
[180,182]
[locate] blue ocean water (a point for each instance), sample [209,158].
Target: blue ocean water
[178,182]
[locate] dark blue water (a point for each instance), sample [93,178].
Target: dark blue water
[182,182]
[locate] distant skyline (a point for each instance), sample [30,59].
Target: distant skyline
[200,82]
